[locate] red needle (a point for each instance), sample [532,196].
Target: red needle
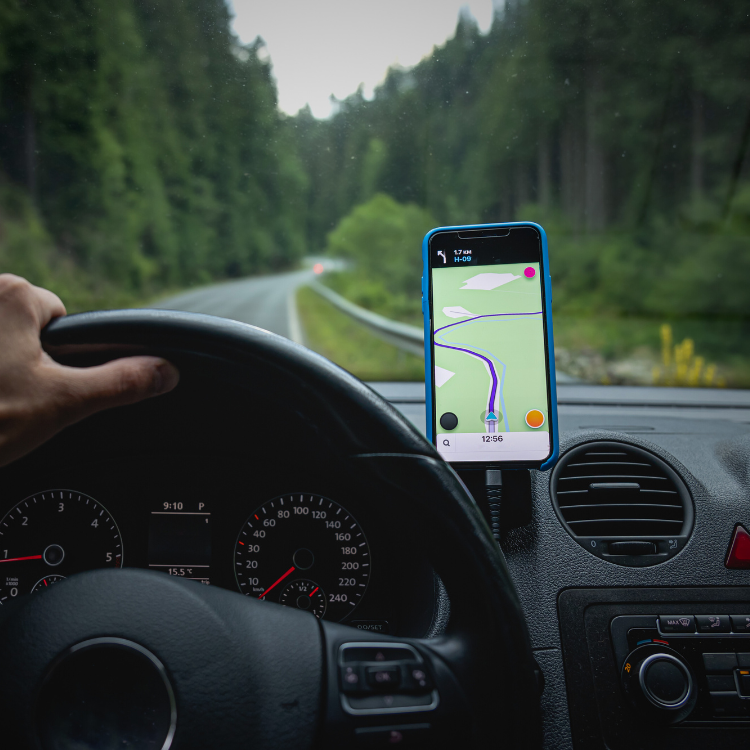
[291,570]
[16,559]
[313,591]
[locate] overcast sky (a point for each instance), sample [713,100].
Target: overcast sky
[324,47]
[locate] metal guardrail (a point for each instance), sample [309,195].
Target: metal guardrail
[405,337]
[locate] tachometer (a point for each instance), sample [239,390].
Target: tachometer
[304,551]
[52,535]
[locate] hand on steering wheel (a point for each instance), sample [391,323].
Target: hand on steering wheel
[38,396]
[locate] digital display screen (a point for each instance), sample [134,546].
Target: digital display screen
[179,540]
[490,391]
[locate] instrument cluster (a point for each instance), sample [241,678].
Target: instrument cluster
[329,550]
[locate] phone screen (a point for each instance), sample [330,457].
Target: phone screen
[490,382]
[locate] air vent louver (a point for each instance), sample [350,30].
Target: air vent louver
[606,492]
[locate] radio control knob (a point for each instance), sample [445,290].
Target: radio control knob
[660,683]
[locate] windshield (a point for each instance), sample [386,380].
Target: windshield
[278,163]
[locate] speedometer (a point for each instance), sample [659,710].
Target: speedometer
[304,551]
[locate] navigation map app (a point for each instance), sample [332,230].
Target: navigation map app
[489,355]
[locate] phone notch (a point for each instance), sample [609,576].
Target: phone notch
[475,234]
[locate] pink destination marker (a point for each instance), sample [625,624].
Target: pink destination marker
[529,272]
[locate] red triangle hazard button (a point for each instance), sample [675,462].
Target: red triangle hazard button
[739,549]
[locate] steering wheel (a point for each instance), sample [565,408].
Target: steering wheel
[134,658]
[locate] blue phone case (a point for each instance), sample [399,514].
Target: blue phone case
[428,369]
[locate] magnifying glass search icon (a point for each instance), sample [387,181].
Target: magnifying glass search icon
[447,442]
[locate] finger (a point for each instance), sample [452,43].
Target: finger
[22,300]
[48,305]
[84,391]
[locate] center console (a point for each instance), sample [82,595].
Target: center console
[685,668]
[657,668]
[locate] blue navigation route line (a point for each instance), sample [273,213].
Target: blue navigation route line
[476,317]
[490,365]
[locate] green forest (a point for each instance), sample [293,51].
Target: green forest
[142,151]
[622,128]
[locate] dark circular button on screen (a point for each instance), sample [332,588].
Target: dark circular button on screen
[666,681]
[449,421]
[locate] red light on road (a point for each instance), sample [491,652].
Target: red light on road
[318,268]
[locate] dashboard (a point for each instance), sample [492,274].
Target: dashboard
[308,533]
[247,496]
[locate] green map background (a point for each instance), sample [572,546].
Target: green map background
[518,342]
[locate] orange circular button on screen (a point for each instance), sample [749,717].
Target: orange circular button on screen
[534,418]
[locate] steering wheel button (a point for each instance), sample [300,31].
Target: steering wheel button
[383,678]
[351,679]
[376,653]
[417,678]
[409,735]
[382,702]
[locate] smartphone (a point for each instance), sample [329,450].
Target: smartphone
[489,355]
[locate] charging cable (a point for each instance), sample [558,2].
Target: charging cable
[493,479]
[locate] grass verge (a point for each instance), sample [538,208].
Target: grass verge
[350,345]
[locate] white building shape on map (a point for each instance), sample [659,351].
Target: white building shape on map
[457,312]
[489,281]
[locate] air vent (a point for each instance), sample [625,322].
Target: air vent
[622,503]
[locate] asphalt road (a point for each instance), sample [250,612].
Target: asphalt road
[263,301]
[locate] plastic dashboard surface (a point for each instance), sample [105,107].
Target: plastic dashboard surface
[704,435]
